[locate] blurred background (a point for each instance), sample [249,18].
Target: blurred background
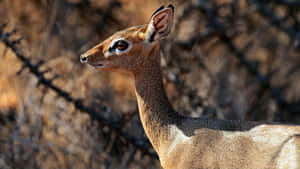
[225,59]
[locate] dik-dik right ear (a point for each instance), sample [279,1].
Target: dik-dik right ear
[160,24]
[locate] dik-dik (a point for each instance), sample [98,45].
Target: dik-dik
[184,142]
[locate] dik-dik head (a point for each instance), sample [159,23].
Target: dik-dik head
[130,49]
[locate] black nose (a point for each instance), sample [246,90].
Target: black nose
[83,58]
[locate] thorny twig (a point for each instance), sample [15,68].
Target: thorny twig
[219,29]
[275,92]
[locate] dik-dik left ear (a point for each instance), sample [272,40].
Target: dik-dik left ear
[160,24]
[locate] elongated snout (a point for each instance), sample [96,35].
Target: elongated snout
[92,55]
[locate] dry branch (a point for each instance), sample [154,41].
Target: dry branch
[213,20]
[115,126]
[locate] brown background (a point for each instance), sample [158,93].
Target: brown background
[225,59]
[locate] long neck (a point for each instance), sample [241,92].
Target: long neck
[156,112]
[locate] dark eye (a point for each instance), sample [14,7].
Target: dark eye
[122,45]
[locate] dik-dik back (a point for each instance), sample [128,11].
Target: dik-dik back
[261,146]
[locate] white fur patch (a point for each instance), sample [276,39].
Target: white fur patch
[231,135]
[288,156]
[272,135]
[178,138]
[150,31]
[107,54]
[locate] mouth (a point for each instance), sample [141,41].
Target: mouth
[97,65]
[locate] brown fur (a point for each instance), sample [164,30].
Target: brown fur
[194,143]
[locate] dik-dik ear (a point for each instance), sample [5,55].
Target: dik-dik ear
[160,24]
